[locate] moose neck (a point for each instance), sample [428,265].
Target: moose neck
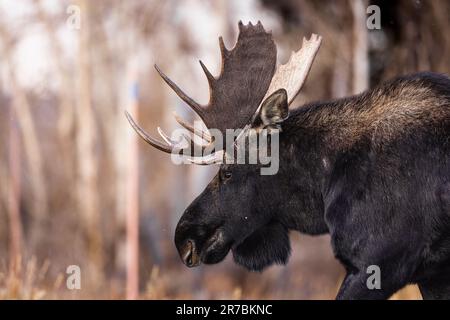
[306,158]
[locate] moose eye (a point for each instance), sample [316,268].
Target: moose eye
[226,174]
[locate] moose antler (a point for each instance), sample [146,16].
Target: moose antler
[182,147]
[246,73]
[292,75]
[200,133]
[236,93]
[247,77]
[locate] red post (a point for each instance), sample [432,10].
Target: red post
[132,203]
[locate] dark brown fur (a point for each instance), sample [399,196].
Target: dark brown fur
[372,170]
[383,113]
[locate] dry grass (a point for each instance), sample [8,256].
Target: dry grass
[28,281]
[32,281]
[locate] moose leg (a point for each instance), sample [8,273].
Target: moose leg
[354,287]
[436,288]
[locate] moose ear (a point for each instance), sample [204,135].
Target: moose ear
[274,109]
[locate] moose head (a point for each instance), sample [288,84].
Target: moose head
[239,209]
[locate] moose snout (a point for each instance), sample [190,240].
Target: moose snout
[199,238]
[189,254]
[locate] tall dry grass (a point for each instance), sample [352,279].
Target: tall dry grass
[28,280]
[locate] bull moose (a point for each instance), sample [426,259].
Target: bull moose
[372,170]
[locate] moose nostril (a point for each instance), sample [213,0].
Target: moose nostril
[189,254]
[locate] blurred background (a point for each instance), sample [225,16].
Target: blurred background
[77,187]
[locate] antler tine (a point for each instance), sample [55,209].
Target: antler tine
[209,76]
[183,96]
[169,141]
[153,142]
[188,149]
[194,145]
[223,50]
[214,158]
[200,133]
[164,136]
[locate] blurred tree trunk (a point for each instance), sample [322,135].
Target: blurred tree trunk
[441,12]
[29,134]
[65,101]
[66,110]
[340,78]
[360,46]
[13,189]
[87,189]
